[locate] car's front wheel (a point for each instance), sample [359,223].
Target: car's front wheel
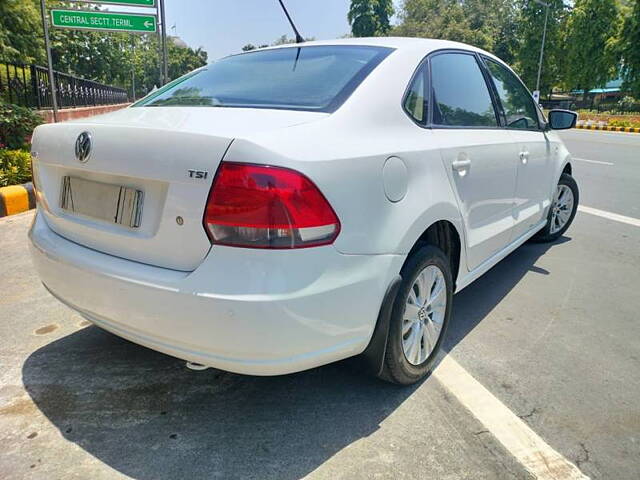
[562,210]
[420,316]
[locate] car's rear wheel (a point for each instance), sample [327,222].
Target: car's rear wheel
[420,316]
[562,210]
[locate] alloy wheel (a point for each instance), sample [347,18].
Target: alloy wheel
[561,208]
[424,315]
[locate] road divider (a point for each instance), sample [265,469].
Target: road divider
[16,199]
[609,129]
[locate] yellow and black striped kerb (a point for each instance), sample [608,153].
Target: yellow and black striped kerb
[16,199]
[610,129]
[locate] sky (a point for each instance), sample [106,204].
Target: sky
[223,27]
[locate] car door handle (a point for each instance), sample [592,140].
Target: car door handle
[461,165]
[524,157]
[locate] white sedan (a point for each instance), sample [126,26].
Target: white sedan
[289,207]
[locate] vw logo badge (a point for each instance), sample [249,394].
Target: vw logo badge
[83,147]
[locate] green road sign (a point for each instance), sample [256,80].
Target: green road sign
[113,22]
[135,3]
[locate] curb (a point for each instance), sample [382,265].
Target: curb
[610,129]
[16,199]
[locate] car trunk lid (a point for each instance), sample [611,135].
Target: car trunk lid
[167,154]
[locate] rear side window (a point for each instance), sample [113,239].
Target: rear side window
[415,103]
[460,94]
[517,103]
[315,78]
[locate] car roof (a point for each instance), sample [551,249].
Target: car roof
[423,45]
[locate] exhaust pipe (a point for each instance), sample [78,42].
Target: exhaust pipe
[196,367]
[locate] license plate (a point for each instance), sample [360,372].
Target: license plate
[103,201]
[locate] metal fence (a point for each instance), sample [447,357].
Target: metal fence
[28,85]
[595,103]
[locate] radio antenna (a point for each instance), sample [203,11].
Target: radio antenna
[299,38]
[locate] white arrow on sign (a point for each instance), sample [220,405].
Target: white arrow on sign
[148,23]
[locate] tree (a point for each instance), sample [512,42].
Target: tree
[370,18]
[591,30]
[20,28]
[285,40]
[486,24]
[529,32]
[629,48]
[106,57]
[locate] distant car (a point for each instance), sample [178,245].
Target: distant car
[289,207]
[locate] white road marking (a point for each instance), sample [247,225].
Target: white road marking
[542,461]
[610,216]
[592,161]
[604,133]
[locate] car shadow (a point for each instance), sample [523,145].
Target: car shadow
[474,303]
[143,414]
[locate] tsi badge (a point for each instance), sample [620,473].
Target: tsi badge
[199,174]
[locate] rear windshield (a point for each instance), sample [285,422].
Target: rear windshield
[315,78]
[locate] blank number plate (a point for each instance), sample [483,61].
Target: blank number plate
[103,201]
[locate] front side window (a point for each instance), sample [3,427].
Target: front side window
[519,109]
[415,103]
[460,94]
[315,78]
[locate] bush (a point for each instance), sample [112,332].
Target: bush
[16,125]
[623,123]
[15,167]
[628,104]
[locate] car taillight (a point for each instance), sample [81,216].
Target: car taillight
[260,206]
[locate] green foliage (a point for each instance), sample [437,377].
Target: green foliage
[488,24]
[285,40]
[529,33]
[16,125]
[590,54]
[629,48]
[15,167]
[623,123]
[20,27]
[628,104]
[111,58]
[370,18]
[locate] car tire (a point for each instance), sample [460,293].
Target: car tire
[552,231]
[397,368]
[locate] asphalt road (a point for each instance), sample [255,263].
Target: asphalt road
[552,333]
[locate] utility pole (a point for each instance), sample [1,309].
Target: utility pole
[47,46]
[536,94]
[133,70]
[165,66]
[160,61]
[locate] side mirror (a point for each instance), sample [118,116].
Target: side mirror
[562,119]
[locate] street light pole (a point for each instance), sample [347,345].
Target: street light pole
[165,59]
[544,37]
[47,46]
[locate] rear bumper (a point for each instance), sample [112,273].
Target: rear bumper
[248,311]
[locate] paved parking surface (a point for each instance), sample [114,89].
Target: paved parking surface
[552,332]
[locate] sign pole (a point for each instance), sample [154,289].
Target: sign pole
[47,46]
[133,70]
[160,63]
[165,66]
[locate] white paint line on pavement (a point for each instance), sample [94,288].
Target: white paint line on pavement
[610,216]
[542,461]
[593,161]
